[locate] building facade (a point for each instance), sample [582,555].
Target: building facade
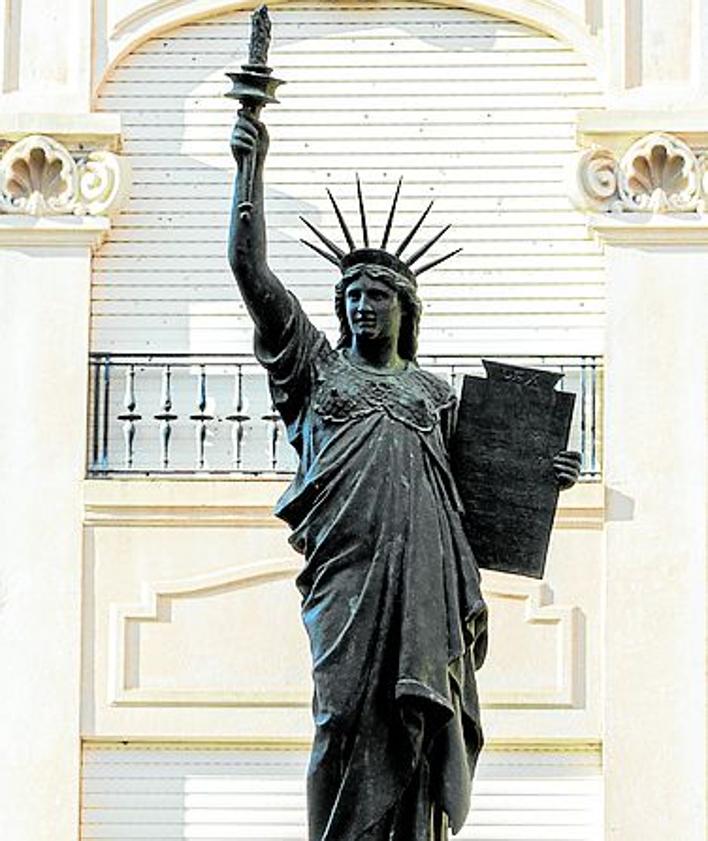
[156,675]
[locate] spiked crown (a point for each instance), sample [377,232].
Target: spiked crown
[369,255]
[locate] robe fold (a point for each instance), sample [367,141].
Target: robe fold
[391,592]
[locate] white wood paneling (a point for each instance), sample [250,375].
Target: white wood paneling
[472,109]
[132,793]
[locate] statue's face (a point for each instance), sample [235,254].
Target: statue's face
[373,309]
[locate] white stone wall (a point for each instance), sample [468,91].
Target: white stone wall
[646,577]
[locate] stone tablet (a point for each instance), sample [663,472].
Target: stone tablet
[509,427]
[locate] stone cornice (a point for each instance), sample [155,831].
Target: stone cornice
[561,745]
[617,129]
[54,231]
[248,502]
[650,228]
[102,131]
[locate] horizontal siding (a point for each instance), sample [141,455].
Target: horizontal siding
[475,111]
[131,794]
[332,100]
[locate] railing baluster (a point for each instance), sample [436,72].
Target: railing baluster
[585,416]
[201,417]
[273,418]
[238,419]
[166,416]
[453,378]
[129,416]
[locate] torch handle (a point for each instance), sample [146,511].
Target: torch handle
[247,168]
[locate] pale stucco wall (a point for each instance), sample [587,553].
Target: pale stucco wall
[649,707]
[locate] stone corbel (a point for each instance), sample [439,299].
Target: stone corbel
[654,192]
[658,174]
[40,177]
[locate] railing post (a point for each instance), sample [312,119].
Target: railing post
[592,444]
[95,380]
[106,410]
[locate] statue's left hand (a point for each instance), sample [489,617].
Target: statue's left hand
[567,468]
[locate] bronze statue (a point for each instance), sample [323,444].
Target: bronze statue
[391,591]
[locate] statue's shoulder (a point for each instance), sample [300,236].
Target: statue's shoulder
[438,389]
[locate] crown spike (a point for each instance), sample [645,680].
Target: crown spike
[342,223]
[391,214]
[436,262]
[335,249]
[414,231]
[321,252]
[362,212]
[428,245]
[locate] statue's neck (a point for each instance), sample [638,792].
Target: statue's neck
[377,353]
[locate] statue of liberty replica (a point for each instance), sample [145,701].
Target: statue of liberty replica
[391,592]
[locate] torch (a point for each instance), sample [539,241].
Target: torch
[254,87]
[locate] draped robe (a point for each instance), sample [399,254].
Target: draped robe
[391,595]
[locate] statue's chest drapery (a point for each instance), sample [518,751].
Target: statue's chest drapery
[343,392]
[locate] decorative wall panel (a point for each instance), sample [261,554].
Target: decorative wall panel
[192,624]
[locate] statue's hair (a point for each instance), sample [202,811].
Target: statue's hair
[411,307]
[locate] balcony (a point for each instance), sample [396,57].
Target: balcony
[184,415]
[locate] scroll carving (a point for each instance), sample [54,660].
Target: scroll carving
[103,181]
[657,174]
[41,177]
[594,181]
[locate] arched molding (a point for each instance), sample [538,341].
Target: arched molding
[160,16]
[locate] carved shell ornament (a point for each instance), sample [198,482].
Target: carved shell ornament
[659,173]
[40,177]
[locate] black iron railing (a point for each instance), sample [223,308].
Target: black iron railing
[211,414]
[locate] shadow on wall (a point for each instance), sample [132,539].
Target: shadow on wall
[618,506]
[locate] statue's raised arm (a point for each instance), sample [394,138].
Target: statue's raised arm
[265,296]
